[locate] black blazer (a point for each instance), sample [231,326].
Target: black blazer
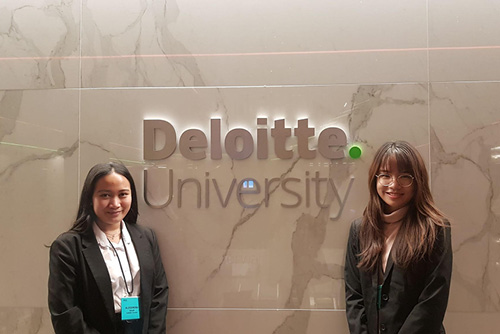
[413,301]
[80,295]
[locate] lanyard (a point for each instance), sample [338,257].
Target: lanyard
[120,263]
[379,296]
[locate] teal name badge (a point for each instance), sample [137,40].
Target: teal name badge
[130,308]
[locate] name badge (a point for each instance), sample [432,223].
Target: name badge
[130,308]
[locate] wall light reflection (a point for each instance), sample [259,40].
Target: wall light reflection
[29,146]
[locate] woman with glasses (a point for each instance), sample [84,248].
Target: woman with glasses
[399,257]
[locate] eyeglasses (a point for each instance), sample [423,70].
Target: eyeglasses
[404,180]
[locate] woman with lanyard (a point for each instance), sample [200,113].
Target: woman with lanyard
[399,258]
[106,273]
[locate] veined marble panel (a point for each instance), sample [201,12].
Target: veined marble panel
[269,256]
[158,43]
[464,40]
[25,320]
[465,146]
[39,44]
[38,182]
[470,322]
[256,321]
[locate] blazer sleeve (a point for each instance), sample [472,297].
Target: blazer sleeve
[355,306]
[66,315]
[159,301]
[427,315]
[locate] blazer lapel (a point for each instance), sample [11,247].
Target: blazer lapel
[97,266]
[145,257]
[388,267]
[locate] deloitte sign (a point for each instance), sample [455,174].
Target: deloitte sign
[160,142]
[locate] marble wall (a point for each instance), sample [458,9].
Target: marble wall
[78,77]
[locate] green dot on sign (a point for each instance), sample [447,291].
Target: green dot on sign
[355,151]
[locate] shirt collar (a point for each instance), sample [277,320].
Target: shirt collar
[102,239]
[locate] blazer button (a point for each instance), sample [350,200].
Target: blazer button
[385,297]
[382,327]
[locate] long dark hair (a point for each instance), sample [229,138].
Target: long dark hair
[418,230]
[86,215]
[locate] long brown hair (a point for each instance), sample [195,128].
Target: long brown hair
[418,230]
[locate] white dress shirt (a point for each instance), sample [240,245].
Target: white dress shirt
[113,265]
